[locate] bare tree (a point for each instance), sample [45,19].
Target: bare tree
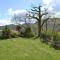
[46,21]
[37,14]
[54,25]
[17,18]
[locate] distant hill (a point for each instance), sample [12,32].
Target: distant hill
[11,26]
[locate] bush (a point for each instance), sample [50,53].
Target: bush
[18,28]
[14,34]
[56,42]
[22,34]
[27,33]
[6,32]
[45,37]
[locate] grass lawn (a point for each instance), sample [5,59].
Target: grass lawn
[27,49]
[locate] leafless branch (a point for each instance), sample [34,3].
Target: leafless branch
[34,10]
[34,17]
[44,14]
[44,21]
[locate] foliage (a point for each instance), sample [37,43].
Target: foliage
[6,32]
[18,28]
[14,34]
[27,33]
[53,38]
[46,36]
[56,41]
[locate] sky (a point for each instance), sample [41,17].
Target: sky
[10,7]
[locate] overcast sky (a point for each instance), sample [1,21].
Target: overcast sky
[10,7]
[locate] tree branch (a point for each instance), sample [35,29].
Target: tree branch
[35,10]
[34,17]
[45,20]
[44,14]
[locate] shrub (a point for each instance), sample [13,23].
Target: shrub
[14,34]
[18,28]
[27,33]
[22,34]
[45,37]
[6,32]
[56,42]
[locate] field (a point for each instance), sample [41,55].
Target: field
[27,49]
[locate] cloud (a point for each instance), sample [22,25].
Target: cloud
[11,12]
[57,15]
[5,22]
[47,2]
[56,5]
[53,6]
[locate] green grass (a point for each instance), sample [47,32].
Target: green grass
[27,49]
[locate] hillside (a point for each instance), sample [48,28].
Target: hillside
[27,49]
[11,26]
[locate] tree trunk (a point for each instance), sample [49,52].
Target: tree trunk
[46,25]
[39,29]
[54,25]
[39,23]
